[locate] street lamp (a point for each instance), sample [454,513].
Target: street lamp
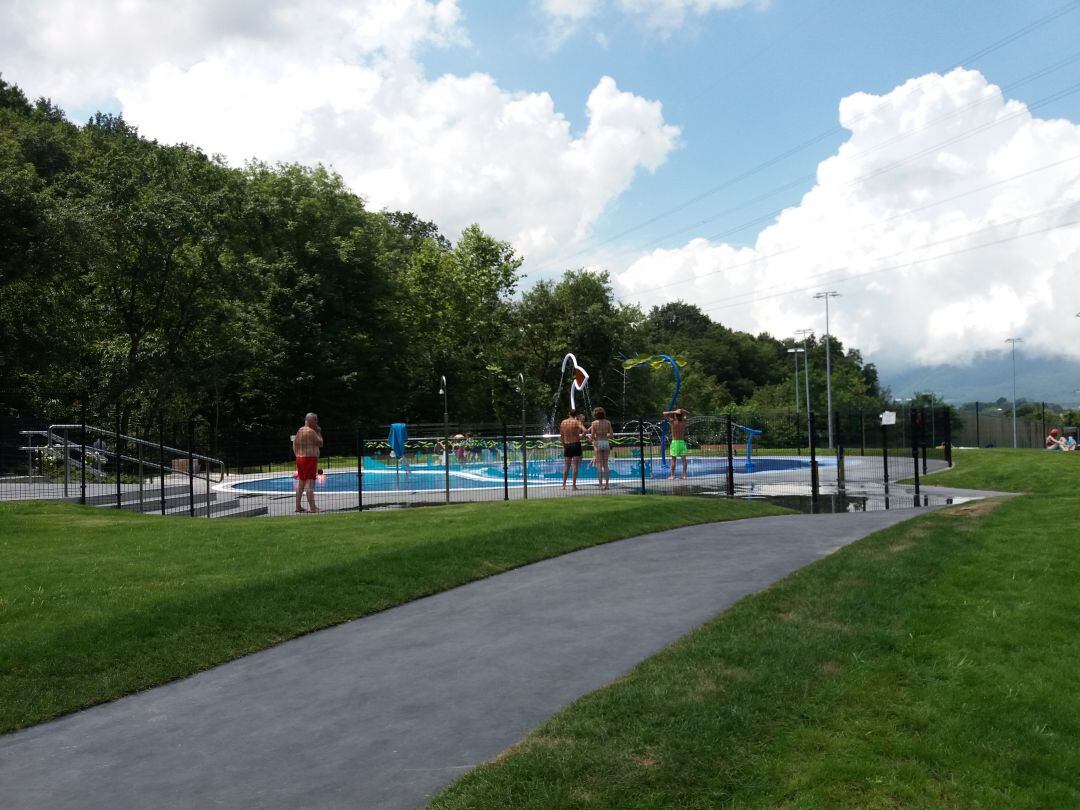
[828,362]
[1014,341]
[806,376]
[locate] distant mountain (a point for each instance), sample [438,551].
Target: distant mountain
[1038,379]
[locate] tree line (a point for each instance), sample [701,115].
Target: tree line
[160,278]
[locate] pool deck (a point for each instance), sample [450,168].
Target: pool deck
[863,479]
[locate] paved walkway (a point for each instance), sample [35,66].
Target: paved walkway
[385,711]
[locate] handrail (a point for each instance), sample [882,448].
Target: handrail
[55,443]
[210,460]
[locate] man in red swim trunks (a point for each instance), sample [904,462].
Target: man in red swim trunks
[306,445]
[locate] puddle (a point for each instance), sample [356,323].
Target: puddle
[832,502]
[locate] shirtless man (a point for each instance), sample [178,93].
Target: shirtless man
[677,448]
[571,432]
[306,444]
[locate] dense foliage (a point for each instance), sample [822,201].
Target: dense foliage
[161,278]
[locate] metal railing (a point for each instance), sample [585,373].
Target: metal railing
[80,456]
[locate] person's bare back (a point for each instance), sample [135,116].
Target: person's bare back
[307,442]
[571,430]
[678,427]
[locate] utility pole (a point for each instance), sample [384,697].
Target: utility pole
[1014,341]
[828,361]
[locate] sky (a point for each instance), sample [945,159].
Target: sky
[921,159]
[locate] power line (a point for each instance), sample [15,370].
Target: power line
[914,262]
[804,178]
[756,294]
[892,218]
[994,46]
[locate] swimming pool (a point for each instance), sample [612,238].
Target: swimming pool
[419,478]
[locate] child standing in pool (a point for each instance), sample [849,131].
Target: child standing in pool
[601,434]
[677,448]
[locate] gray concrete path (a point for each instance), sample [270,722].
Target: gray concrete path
[384,711]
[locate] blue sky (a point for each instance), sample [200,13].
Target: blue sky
[747,85]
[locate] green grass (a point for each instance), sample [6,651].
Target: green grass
[95,604]
[929,665]
[1006,470]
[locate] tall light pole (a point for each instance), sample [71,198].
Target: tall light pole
[1014,341]
[806,375]
[828,362]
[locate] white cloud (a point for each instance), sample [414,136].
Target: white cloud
[80,51]
[663,17]
[339,83]
[886,209]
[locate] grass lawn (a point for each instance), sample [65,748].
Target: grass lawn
[95,603]
[929,665]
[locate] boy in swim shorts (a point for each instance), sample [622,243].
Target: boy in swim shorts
[677,448]
[571,432]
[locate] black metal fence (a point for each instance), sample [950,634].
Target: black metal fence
[72,452]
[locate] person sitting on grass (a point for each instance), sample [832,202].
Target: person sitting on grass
[1054,440]
[677,448]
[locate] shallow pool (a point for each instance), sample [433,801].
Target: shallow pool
[480,476]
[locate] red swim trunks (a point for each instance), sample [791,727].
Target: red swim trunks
[307,467]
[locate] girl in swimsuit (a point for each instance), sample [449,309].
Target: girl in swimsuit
[601,433]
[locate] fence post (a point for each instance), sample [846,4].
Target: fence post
[161,456]
[885,454]
[862,433]
[841,473]
[815,484]
[978,441]
[1043,416]
[506,466]
[915,450]
[641,451]
[190,468]
[207,471]
[948,435]
[524,463]
[82,452]
[359,471]
[730,456]
[117,456]
[142,477]
[446,455]
[67,463]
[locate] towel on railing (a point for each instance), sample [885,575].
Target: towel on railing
[399,434]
